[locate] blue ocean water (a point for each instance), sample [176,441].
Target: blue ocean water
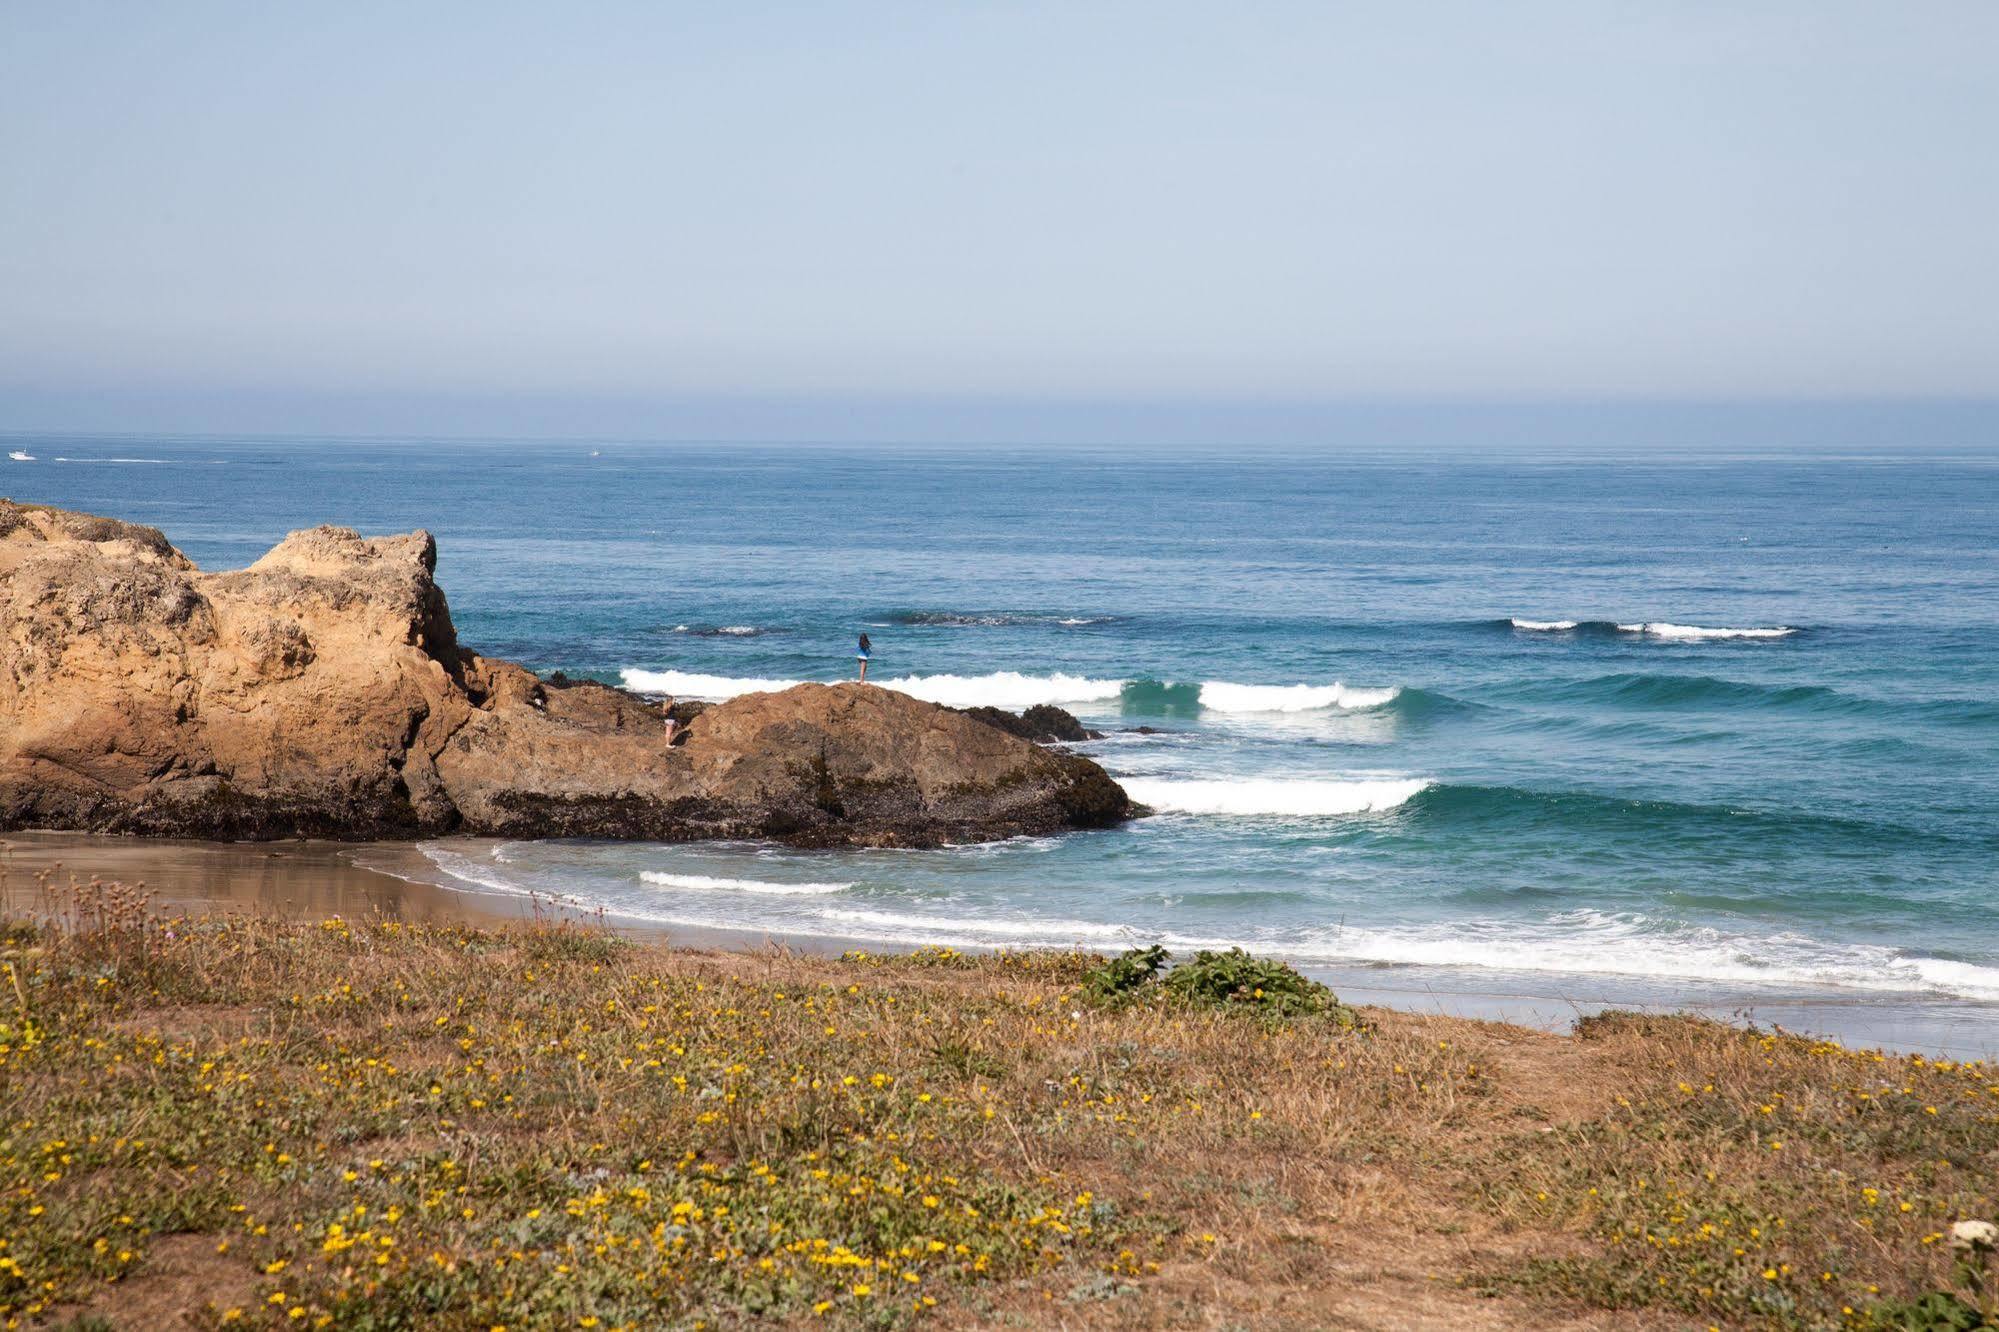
[1679,727]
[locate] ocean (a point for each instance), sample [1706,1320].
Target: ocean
[1717,729]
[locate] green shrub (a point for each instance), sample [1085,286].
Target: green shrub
[1124,977]
[1938,1311]
[1232,981]
[1235,980]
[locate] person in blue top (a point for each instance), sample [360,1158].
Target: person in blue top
[862,656]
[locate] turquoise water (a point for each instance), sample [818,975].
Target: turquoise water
[1681,728]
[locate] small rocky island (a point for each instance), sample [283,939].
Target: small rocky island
[322,692]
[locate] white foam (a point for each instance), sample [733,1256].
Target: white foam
[1630,944]
[1963,978]
[471,871]
[1543,626]
[1695,632]
[688,684]
[1006,689]
[1576,942]
[706,882]
[1013,690]
[1223,696]
[1048,933]
[1299,798]
[1002,689]
[738,630]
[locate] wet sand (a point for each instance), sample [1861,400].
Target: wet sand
[395,880]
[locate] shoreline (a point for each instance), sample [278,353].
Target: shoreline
[300,879]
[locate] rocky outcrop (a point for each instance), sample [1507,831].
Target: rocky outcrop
[323,692]
[1044,723]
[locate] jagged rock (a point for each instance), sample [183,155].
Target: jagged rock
[323,692]
[1043,723]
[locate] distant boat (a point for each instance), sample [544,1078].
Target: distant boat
[21,455]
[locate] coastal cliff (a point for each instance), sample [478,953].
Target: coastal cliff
[322,692]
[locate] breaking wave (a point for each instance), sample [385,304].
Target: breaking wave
[1590,942]
[1168,696]
[1574,941]
[1006,689]
[1001,689]
[691,684]
[1273,797]
[1660,629]
[1222,696]
[1696,633]
[1011,689]
[705,882]
[992,619]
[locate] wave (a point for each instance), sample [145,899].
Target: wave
[691,684]
[1011,689]
[468,870]
[1590,942]
[1002,689]
[1168,696]
[721,631]
[1576,943]
[1660,629]
[1223,696]
[1427,704]
[1584,941]
[1006,689]
[704,882]
[1044,932]
[1698,633]
[1640,689]
[1279,797]
[992,619]
[1669,827]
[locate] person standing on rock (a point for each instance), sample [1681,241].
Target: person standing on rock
[862,656]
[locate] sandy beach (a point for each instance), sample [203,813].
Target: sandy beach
[396,881]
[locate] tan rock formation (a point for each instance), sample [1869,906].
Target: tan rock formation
[322,692]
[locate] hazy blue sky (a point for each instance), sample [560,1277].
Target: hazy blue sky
[646,217]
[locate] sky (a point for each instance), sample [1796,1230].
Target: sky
[1021,219]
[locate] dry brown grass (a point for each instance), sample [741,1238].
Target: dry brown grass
[380,1125]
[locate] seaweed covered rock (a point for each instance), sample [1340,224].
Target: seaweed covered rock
[1044,723]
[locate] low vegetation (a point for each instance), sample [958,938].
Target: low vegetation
[1227,981]
[372,1124]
